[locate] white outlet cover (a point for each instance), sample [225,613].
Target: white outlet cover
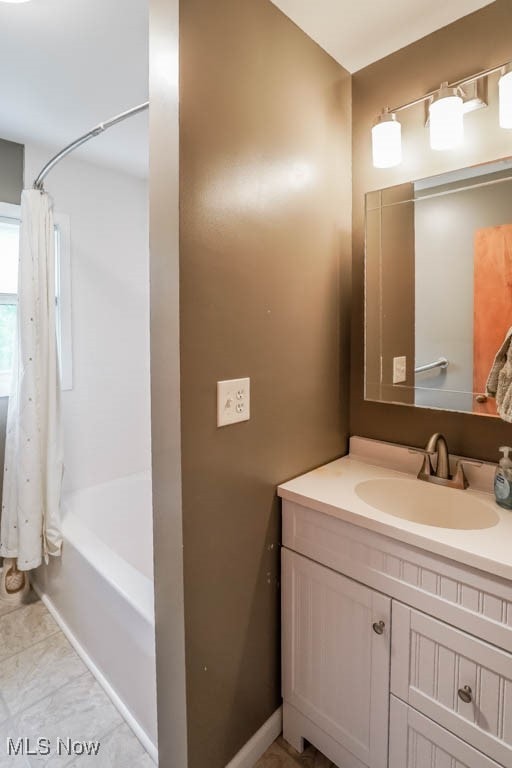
[233,401]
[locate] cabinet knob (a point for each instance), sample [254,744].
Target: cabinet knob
[465,694]
[378,627]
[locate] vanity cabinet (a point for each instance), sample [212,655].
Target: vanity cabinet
[381,637]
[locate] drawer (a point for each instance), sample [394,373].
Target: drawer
[460,682]
[417,742]
[473,600]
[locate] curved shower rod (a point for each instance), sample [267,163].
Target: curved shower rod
[39,182]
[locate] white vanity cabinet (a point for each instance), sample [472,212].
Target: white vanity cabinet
[385,642]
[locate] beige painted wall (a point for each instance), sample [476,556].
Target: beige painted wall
[264,271]
[475,42]
[11,172]
[11,185]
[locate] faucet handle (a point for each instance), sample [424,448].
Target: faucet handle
[460,476]
[426,467]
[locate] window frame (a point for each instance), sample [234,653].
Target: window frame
[63,297]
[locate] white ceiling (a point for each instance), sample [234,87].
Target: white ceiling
[68,65]
[359,32]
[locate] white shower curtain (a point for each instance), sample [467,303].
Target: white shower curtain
[30,522]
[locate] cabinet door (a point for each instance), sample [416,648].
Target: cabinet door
[417,742]
[335,665]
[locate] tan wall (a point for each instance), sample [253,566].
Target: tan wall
[11,184]
[265,227]
[11,171]
[476,42]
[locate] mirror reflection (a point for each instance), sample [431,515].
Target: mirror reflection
[439,291]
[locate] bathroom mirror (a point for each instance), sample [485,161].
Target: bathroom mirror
[438,287]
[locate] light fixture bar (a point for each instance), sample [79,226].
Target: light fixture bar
[445,108]
[479,75]
[456,84]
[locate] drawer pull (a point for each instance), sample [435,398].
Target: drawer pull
[378,627]
[465,694]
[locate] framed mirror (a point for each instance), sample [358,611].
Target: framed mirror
[438,288]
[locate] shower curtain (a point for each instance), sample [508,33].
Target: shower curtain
[30,520]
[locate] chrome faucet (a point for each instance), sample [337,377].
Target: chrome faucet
[437,446]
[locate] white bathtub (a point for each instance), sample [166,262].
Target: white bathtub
[101,593]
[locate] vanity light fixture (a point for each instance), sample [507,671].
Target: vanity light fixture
[446,108]
[387,140]
[446,113]
[505,86]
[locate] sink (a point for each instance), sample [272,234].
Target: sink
[420,502]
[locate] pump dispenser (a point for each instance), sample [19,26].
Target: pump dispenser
[503,479]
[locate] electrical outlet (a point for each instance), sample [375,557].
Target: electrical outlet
[233,401]
[399,370]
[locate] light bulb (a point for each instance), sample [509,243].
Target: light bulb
[446,119]
[505,86]
[387,141]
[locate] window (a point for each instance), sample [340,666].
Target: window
[9,247]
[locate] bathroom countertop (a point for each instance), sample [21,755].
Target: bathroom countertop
[331,489]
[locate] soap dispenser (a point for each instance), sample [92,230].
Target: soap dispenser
[503,479]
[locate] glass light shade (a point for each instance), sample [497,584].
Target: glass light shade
[387,141]
[505,85]
[446,120]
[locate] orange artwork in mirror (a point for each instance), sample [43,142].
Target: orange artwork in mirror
[492,304]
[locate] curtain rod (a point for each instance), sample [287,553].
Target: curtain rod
[39,182]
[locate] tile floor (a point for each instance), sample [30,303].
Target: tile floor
[47,691]
[281,755]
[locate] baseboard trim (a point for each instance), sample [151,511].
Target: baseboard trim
[259,743]
[100,677]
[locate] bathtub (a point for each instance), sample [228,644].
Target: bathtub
[101,593]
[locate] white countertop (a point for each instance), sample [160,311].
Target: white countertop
[331,489]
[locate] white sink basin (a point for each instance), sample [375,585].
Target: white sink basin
[428,504]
